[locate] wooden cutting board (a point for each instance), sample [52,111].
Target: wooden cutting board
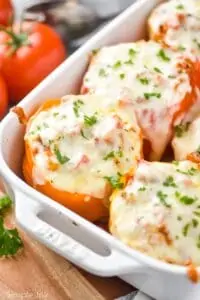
[39,274]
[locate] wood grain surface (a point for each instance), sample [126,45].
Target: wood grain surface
[39,274]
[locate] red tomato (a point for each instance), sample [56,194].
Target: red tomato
[3,98]
[28,55]
[6,12]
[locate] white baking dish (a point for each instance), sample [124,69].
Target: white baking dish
[59,228]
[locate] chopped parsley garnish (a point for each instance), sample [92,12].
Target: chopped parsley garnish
[38,128]
[162,55]
[132,52]
[185,199]
[158,70]
[197,43]
[181,48]
[109,155]
[76,106]
[175,162]
[142,189]
[172,76]
[150,95]
[169,182]
[90,121]
[198,242]
[181,129]
[122,76]
[61,158]
[162,198]
[10,241]
[195,223]
[117,65]
[55,114]
[113,154]
[185,229]
[102,73]
[115,181]
[128,62]
[144,80]
[196,213]
[95,51]
[180,6]
[192,171]
[179,218]
[83,135]
[5,203]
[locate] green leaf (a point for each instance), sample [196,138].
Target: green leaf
[115,181]
[142,189]
[61,158]
[122,76]
[186,199]
[83,135]
[117,65]
[10,241]
[162,55]
[90,121]
[192,171]
[109,155]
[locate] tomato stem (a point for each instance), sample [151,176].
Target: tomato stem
[17,39]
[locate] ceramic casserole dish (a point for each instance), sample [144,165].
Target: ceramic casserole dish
[66,233]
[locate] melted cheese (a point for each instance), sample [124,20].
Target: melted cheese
[177,22]
[158,212]
[188,141]
[82,145]
[146,78]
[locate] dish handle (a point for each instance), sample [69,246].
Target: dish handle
[115,264]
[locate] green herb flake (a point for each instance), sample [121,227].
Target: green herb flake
[191,172]
[128,62]
[95,51]
[122,76]
[180,6]
[142,189]
[157,70]
[102,73]
[162,197]
[162,55]
[115,181]
[187,200]
[198,242]
[195,223]
[61,158]
[55,114]
[10,241]
[5,203]
[172,76]
[181,48]
[196,213]
[150,95]
[175,162]
[179,218]
[76,106]
[120,153]
[181,129]
[197,43]
[132,52]
[117,65]
[144,80]
[109,155]
[169,182]
[186,229]
[38,128]
[83,135]
[90,121]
